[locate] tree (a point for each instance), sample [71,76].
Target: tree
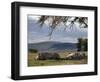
[54,21]
[33,50]
[82,44]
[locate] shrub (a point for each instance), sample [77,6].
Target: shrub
[82,44]
[33,50]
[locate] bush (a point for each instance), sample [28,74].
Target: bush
[82,44]
[33,50]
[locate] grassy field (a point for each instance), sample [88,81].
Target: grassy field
[33,62]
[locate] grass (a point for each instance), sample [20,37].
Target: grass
[33,62]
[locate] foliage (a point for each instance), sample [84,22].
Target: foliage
[54,21]
[33,50]
[82,44]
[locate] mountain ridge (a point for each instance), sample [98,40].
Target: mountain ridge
[52,46]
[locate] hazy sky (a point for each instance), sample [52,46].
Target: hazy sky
[36,33]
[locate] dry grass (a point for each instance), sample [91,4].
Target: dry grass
[33,62]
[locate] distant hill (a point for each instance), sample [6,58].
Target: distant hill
[53,46]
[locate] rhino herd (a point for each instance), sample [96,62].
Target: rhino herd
[70,56]
[76,56]
[44,56]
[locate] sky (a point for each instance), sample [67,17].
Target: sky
[36,33]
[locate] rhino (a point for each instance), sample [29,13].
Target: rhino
[75,56]
[47,55]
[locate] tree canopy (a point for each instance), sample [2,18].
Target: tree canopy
[68,21]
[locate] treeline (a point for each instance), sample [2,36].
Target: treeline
[33,50]
[82,44]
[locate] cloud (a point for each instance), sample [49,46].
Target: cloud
[33,17]
[38,39]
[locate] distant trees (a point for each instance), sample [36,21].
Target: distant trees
[33,50]
[82,44]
